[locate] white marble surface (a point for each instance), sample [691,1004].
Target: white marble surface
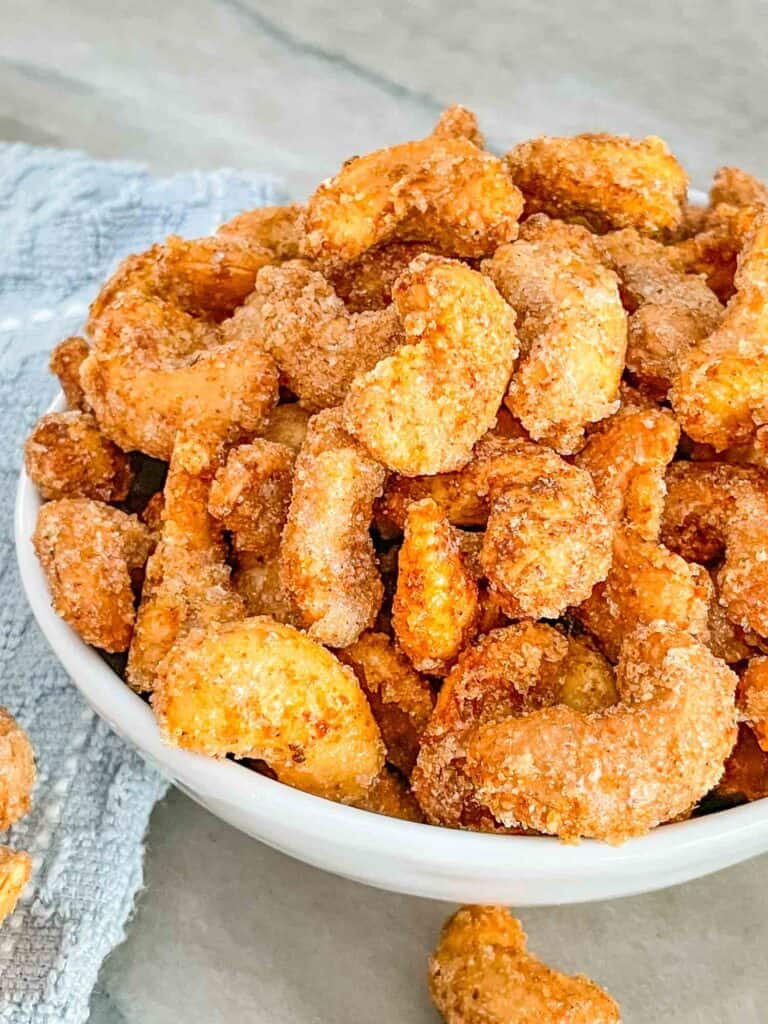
[227,930]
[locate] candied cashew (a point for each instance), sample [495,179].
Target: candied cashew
[318,344]
[401,699]
[604,181]
[714,509]
[259,689]
[422,409]
[443,190]
[720,394]
[327,557]
[482,973]
[630,767]
[67,456]
[88,552]
[572,329]
[435,608]
[17,770]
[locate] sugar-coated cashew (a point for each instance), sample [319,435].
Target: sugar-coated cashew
[327,556]
[572,328]
[317,343]
[15,872]
[714,509]
[188,580]
[257,688]
[627,458]
[720,395]
[511,671]
[67,456]
[17,770]
[482,973]
[65,362]
[605,181]
[162,358]
[422,409]
[250,495]
[435,608]
[443,189]
[278,229]
[670,310]
[646,583]
[547,541]
[624,770]
[401,699]
[752,699]
[89,551]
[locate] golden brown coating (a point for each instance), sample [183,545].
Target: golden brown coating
[287,424]
[66,360]
[572,328]
[435,608]
[317,343]
[389,795]
[511,671]
[548,541]
[457,122]
[712,250]
[259,689]
[162,359]
[250,495]
[628,768]
[646,584]
[481,973]
[714,509]
[422,409]
[276,228]
[627,458]
[745,777]
[737,187]
[443,190]
[88,552]
[752,699]
[17,770]
[366,283]
[327,556]
[67,456]
[401,699]
[720,394]
[258,582]
[15,872]
[188,580]
[604,181]
[669,309]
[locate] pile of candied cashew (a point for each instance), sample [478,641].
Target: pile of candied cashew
[464,516]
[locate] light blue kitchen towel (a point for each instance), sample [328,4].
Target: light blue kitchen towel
[65,222]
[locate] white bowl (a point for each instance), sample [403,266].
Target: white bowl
[463,867]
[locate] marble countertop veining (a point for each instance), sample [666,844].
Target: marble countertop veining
[227,930]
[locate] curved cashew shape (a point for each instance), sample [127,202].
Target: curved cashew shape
[572,328]
[162,359]
[720,394]
[606,181]
[628,768]
[481,973]
[422,409]
[443,190]
[327,558]
[88,552]
[714,508]
[259,689]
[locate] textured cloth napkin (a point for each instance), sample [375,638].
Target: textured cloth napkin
[65,221]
